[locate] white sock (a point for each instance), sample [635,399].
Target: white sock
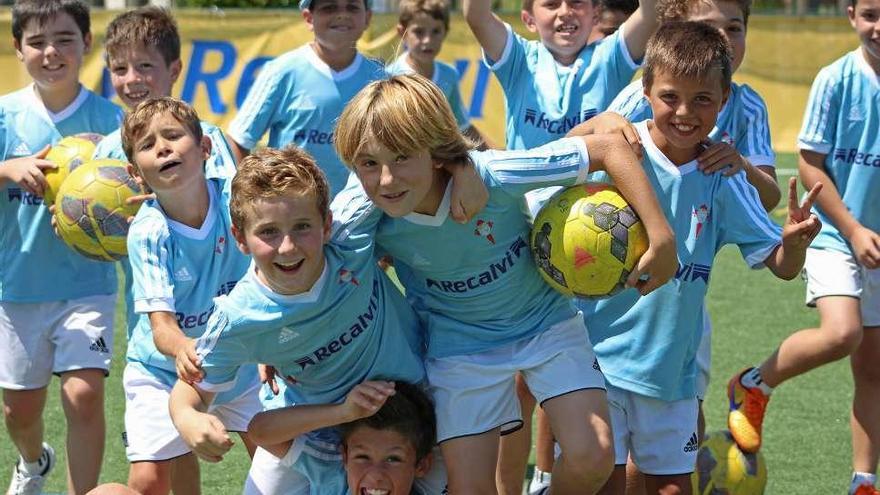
[752,379]
[541,476]
[859,479]
[31,468]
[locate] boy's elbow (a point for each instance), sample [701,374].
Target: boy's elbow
[257,430]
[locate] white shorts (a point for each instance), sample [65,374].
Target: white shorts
[40,339]
[704,356]
[834,273]
[476,393]
[149,433]
[660,436]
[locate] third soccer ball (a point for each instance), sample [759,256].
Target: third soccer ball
[586,240]
[723,469]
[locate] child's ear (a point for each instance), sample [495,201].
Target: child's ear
[206,147]
[424,465]
[529,20]
[328,226]
[87,41]
[175,68]
[239,240]
[851,15]
[400,30]
[307,17]
[17,44]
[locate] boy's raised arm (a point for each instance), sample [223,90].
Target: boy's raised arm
[639,27]
[611,153]
[487,27]
[798,231]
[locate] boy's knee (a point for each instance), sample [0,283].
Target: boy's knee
[594,462]
[843,337]
[83,401]
[149,478]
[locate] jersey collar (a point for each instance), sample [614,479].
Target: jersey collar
[866,69]
[439,216]
[322,66]
[654,154]
[54,118]
[202,232]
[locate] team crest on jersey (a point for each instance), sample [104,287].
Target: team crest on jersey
[347,277]
[484,229]
[701,214]
[727,138]
[221,245]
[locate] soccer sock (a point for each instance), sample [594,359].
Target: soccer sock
[752,379]
[859,479]
[31,468]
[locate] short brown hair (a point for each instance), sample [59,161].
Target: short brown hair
[680,10]
[145,26]
[138,120]
[269,173]
[687,50]
[25,11]
[437,9]
[407,114]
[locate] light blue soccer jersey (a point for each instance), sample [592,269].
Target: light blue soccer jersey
[648,345]
[446,78]
[842,121]
[297,98]
[220,164]
[180,269]
[742,122]
[475,286]
[320,462]
[545,100]
[35,265]
[352,325]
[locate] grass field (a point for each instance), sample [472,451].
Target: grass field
[807,443]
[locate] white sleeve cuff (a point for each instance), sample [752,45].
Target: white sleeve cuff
[817,147]
[621,45]
[154,304]
[756,260]
[508,47]
[585,158]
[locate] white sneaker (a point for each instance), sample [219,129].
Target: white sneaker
[540,483]
[23,484]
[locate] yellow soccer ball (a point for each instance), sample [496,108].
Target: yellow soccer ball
[90,210]
[67,155]
[586,240]
[723,469]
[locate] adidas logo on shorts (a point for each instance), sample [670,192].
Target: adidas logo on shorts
[99,346]
[693,444]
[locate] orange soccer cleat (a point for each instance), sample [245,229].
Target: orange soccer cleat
[746,416]
[866,489]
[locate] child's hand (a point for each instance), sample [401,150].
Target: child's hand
[267,375]
[866,247]
[610,123]
[207,437]
[469,193]
[721,156]
[27,171]
[801,226]
[188,363]
[365,399]
[659,264]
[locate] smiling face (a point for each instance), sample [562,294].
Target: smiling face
[52,51]
[685,110]
[399,184]
[865,19]
[381,462]
[337,24]
[140,72]
[563,26]
[167,156]
[727,18]
[423,37]
[285,234]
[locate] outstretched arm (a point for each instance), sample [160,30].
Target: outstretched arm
[611,152]
[276,429]
[487,27]
[203,432]
[172,342]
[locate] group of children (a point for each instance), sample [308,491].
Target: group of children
[250,265]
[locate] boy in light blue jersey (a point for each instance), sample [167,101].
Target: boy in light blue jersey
[422,26]
[647,345]
[388,431]
[181,255]
[298,96]
[487,311]
[840,147]
[742,123]
[314,305]
[552,85]
[56,303]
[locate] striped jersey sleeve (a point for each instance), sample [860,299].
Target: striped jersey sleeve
[820,123]
[562,162]
[631,103]
[150,259]
[257,113]
[744,221]
[756,145]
